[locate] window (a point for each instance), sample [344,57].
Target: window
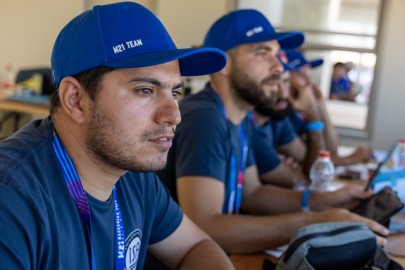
[342,31]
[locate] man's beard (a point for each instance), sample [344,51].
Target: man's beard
[266,109]
[250,91]
[111,147]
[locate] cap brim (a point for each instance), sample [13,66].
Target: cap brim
[316,63]
[192,61]
[290,40]
[288,67]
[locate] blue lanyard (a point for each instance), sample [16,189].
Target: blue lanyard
[242,167]
[237,175]
[252,119]
[79,197]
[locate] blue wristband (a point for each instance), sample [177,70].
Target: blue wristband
[304,200]
[315,126]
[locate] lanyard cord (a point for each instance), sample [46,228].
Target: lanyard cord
[241,173]
[80,199]
[235,198]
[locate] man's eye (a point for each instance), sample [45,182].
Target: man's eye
[177,94]
[144,91]
[261,53]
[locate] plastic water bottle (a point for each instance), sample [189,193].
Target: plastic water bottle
[400,154]
[7,80]
[322,172]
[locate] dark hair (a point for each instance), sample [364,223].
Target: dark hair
[89,79]
[338,64]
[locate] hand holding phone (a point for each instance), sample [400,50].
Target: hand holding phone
[375,172]
[381,206]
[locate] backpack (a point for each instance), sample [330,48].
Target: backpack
[333,246]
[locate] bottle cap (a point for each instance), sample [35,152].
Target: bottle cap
[323,153]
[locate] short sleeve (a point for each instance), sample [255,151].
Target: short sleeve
[264,152]
[201,145]
[18,229]
[283,132]
[168,214]
[298,123]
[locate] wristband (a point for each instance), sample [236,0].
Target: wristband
[315,126]
[304,200]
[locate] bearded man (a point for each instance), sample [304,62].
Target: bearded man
[211,169]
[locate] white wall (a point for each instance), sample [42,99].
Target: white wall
[188,21]
[388,104]
[29,28]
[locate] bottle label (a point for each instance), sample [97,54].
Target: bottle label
[322,174]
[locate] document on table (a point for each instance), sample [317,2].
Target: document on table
[276,252]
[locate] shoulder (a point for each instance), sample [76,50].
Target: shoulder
[26,155]
[201,112]
[200,104]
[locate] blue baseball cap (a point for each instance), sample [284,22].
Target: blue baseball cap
[296,59]
[282,58]
[245,26]
[124,35]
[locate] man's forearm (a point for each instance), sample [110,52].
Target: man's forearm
[206,255]
[330,134]
[283,176]
[315,140]
[241,234]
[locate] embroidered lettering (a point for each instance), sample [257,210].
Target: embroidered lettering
[119,48]
[253,31]
[134,43]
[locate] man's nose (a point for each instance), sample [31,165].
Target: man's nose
[168,111]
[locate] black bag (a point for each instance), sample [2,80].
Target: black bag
[333,246]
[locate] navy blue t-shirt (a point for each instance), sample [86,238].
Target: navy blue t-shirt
[283,132]
[207,144]
[264,151]
[298,123]
[40,226]
[266,139]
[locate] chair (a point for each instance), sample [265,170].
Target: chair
[47,89]
[47,82]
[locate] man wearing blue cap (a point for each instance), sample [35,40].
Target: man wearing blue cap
[297,61]
[304,88]
[211,170]
[280,127]
[77,190]
[275,133]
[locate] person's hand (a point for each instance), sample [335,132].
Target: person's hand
[305,102]
[362,153]
[317,93]
[290,162]
[344,215]
[346,197]
[298,82]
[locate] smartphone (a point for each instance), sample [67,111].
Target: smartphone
[350,175]
[381,206]
[375,172]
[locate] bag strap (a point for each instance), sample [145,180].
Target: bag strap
[395,266]
[382,261]
[268,265]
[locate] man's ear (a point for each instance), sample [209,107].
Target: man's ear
[226,70]
[72,99]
